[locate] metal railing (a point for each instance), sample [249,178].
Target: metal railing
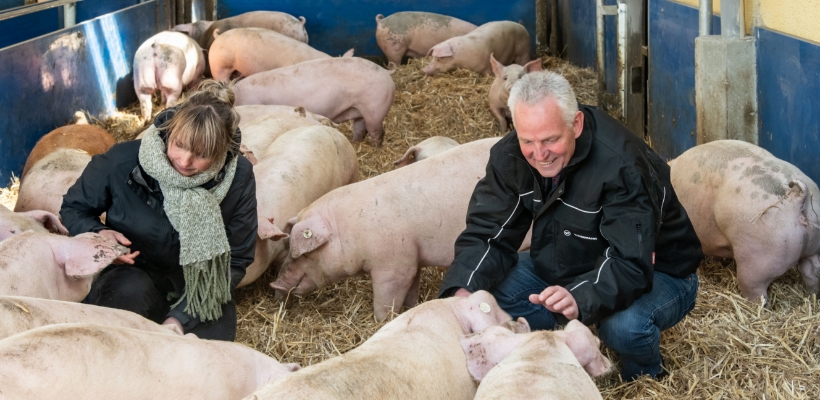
[68,14]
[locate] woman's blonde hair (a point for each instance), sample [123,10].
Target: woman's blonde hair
[206,121]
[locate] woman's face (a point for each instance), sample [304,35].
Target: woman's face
[185,162]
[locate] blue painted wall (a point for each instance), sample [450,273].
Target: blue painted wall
[673,28]
[788,85]
[334,26]
[86,67]
[30,26]
[577,26]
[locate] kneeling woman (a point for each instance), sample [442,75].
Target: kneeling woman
[184,201]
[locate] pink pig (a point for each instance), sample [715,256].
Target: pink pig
[94,362]
[204,32]
[413,34]
[415,356]
[54,267]
[505,78]
[746,204]
[342,89]
[169,62]
[388,226]
[536,365]
[425,149]
[508,41]
[246,51]
[288,180]
[13,223]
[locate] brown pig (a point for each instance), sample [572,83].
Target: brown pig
[247,51]
[168,61]
[749,205]
[425,149]
[20,314]
[507,40]
[299,167]
[505,78]
[88,138]
[251,112]
[388,226]
[341,89]
[53,267]
[89,362]
[12,223]
[415,356]
[536,365]
[413,34]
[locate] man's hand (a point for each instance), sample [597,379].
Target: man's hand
[174,325]
[127,258]
[558,300]
[462,293]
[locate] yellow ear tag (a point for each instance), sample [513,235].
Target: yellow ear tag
[484,307]
[307,234]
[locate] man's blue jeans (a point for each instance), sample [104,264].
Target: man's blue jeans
[635,333]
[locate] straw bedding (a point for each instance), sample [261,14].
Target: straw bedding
[726,348]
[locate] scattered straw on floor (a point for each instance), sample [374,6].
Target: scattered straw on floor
[726,348]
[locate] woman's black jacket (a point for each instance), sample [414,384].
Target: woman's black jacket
[608,224]
[114,183]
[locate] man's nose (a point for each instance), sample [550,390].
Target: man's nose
[541,151]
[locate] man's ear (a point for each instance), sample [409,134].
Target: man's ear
[308,235]
[578,124]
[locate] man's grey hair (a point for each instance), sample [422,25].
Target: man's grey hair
[535,87]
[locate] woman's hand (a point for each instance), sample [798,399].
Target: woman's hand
[127,258]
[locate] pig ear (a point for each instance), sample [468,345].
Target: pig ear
[50,221]
[216,32]
[302,20]
[519,326]
[308,235]
[584,345]
[267,230]
[348,53]
[476,352]
[408,158]
[442,50]
[532,66]
[498,68]
[248,153]
[84,256]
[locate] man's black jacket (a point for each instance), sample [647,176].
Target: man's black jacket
[611,221]
[114,183]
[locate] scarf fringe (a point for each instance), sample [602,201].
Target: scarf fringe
[206,291]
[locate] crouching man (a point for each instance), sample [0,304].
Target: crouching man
[611,244]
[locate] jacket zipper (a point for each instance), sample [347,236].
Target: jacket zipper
[640,237]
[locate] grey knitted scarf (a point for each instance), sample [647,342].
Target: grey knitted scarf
[205,254]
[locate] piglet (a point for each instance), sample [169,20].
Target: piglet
[20,314]
[12,223]
[246,51]
[168,61]
[536,365]
[412,34]
[415,356]
[300,166]
[89,362]
[425,149]
[342,89]
[55,267]
[388,226]
[505,78]
[508,41]
[747,204]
